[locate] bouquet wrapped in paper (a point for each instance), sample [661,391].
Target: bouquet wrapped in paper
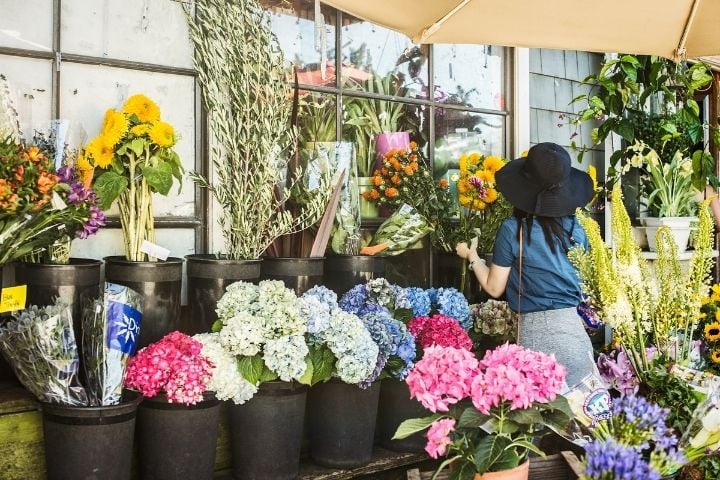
[111,328]
[40,345]
[401,231]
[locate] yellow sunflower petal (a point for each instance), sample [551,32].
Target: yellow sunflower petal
[115,126]
[145,109]
[163,134]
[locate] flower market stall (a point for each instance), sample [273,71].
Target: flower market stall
[232,254]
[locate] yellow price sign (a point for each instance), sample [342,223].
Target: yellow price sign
[13,298]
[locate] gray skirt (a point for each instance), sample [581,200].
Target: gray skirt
[562,333]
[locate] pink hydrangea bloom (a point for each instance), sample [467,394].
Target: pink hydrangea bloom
[442,377]
[439,330]
[513,374]
[173,365]
[438,436]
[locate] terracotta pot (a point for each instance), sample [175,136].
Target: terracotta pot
[521,472]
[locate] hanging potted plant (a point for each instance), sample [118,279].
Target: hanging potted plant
[130,160]
[178,419]
[246,95]
[49,271]
[262,327]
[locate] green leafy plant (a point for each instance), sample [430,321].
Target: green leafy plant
[241,72]
[317,118]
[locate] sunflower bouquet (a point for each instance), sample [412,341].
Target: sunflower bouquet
[132,158]
[709,329]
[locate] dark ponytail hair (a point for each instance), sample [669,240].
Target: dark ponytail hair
[552,228]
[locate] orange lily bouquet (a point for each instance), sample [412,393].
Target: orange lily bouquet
[132,158]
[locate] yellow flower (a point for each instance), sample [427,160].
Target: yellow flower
[490,196]
[717,315]
[478,205]
[493,164]
[463,186]
[141,129]
[592,171]
[524,153]
[473,159]
[463,162]
[100,151]
[465,200]
[82,163]
[163,134]
[486,176]
[145,109]
[712,332]
[715,357]
[114,126]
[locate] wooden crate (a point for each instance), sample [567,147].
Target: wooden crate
[563,466]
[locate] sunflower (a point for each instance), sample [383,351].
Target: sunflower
[141,129]
[490,196]
[486,176]
[145,109]
[717,315]
[163,134]
[463,186]
[100,151]
[715,293]
[712,332]
[478,205]
[715,355]
[493,164]
[465,200]
[114,127]
[463,162]
[524,153]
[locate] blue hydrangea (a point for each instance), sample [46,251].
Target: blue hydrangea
[325,295]
[432,295]
[452,303]
[371,308]
[419,301]
[354,299]
[392,339]
[401,299]
[608,459]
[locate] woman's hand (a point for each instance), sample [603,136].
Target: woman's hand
[464,251]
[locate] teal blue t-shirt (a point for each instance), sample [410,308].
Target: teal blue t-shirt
[549,281]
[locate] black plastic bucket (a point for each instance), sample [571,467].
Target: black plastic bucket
[341,423]
[342,272]
[73,282]
[266,432]
[395,407]
[160,284]
[207,278]
[298,274]
[177,441]
[90,443]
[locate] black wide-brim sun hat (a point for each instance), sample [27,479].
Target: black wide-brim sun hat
[544,183]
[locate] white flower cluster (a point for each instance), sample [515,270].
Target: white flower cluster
[352,345]
[286,357]
[315,312]
[226,381]
[243,334]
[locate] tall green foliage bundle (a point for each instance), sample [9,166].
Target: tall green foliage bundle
[240,69]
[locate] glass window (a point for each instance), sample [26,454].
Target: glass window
[381,61]
[307,44]
[139,30]
[30,81]
[27,24]
[470,75]
[87,91]
[317,117]
[458,132]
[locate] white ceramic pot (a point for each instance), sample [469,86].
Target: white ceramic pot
[680,227]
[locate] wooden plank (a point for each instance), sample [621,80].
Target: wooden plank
[14,399]
[22,454]
[383,460]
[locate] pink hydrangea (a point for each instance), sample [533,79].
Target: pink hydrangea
[513,374]
[439,330]
[438,436]
[173,365]
[442,377]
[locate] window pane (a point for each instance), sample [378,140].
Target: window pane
[26,24]
[377,125]
[382,61]
[470,75]
[30,81]
[294,25]
[459,132]
[317,119]
[109,241]
[87,91]
[138,30]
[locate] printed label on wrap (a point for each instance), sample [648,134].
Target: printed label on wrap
[123,327]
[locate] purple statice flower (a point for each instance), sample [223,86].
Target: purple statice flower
[354,299]
[419,301]
[609,460]
[452,303]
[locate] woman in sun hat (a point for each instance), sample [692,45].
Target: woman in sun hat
[530,262]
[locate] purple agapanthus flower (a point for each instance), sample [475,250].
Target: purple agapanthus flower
[608,459]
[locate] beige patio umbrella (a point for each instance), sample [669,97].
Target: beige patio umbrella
[668,28]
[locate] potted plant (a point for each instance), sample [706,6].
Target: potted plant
[246,95]
[130,160]
[262,327]
[178,419]
[487,412]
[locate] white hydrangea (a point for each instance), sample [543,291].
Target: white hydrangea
[286,356]
[243,334]
[315,313]
[239,296]
[352,345]
[226,381]
[278,305]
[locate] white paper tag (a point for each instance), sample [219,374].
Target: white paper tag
[155,251]
[57,202]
